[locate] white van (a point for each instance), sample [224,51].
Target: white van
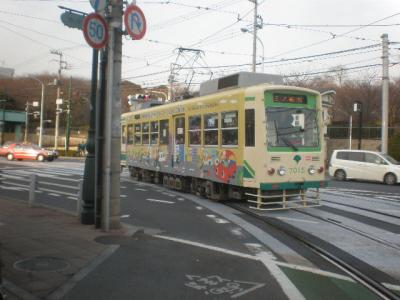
[364,165]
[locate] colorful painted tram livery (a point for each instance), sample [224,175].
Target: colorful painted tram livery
[261,142]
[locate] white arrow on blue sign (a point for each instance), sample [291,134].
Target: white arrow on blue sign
[99,5]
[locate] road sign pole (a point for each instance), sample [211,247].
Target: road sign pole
[88,195]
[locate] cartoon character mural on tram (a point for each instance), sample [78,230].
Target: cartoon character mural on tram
[233,141]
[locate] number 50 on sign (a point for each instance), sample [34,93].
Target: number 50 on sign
[95,31]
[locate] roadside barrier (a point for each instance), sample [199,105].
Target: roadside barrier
[35,184]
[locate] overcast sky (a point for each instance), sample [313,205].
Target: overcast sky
[29,29]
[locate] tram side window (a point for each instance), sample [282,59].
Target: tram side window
[180,131]
[211,129]
[130,134]
[164,132]
[154,133]
[145,133]
[195,130]
[249,128]
[138,134]
[229,128]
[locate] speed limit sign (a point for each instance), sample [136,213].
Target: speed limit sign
[95,31]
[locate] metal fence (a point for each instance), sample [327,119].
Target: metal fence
[34,184]
[371,133]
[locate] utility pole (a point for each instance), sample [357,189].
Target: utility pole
[60,67]
[385,92]
[68,131]
[112,133]
[254,35]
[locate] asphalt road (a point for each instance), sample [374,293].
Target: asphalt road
[187,219]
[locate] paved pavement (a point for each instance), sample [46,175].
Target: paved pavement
[42,249]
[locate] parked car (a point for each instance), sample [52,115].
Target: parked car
[28,151]
[364,165]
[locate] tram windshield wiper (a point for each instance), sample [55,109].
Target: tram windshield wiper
[285,140]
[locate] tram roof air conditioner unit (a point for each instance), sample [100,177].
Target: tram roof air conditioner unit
[238,80]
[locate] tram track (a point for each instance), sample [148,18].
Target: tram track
[362,208]
[306,239]
[354,230]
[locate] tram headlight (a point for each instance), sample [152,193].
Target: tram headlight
[271,171]
[312,170]
[282,171]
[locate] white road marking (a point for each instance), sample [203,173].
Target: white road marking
[139,189]
[199,208]
[73,198]
[237,231]
[54,194]
[211,216]
[297,220]
[287,286]
[161,201]
[181,199]
[123,187]
[123,196]
[268,256]
[200,245]
[124,216]
[221,221]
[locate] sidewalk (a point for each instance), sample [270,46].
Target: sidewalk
[44,252]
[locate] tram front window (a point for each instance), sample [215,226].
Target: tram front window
[292,127]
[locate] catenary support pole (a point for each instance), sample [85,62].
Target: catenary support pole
[254,36]
[100,116]
[385,92]
[112,149]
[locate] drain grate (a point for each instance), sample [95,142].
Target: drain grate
[42,264]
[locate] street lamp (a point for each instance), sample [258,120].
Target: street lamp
[245,30]
[41,111]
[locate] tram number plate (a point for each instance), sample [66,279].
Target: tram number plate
[297,170]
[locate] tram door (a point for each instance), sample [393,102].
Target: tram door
[178,140]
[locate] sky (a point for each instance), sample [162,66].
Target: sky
[307,37]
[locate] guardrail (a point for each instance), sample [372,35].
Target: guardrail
[34,183]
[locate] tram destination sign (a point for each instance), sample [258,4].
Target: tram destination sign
[284,98]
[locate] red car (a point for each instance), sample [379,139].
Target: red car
[25,151]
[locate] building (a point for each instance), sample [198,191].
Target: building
[6,72]
[11,125]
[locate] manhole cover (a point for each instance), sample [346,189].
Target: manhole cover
[42,264]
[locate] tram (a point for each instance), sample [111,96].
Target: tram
[240,139]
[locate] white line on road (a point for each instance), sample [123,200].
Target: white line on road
[139,189]
[297,220]
[161,201]
[199,208]
[54,194]
[287,286]
[123,196]
[125,216]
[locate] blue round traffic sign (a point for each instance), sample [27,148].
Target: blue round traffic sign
[135,22]
[99,5]
[95,31]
